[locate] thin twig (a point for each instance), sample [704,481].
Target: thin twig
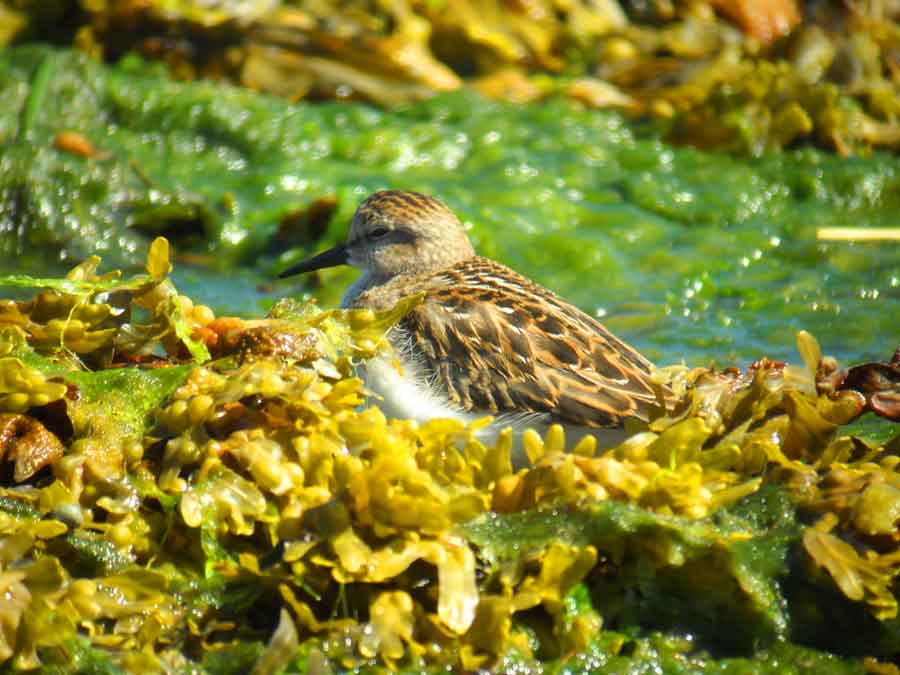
[858,233]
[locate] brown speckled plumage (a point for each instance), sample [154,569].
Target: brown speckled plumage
[485,338]
[499,343]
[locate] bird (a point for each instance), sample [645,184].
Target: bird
[484,340]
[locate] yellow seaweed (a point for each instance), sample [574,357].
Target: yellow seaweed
[267,468]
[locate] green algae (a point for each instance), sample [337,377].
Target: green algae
[664,653]
[742,604]
[689,254]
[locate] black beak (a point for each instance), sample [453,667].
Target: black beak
[330,258]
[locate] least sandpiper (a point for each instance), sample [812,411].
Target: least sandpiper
[485,341]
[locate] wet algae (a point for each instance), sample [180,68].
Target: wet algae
[737,75]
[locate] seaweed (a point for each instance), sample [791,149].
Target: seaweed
[246,503]
[740,75]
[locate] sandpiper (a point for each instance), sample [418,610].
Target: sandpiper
[485,341]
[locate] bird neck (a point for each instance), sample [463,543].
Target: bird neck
[352,295]
[377,292]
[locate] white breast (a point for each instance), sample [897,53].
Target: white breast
[405,391]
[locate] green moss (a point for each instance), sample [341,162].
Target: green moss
[125,399]
[78,657]
[89,554]
[18,507]
[652,567]
[233,660]
[666,654]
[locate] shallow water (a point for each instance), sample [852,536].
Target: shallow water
[689,255]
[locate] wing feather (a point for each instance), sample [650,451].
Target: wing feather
[499,342]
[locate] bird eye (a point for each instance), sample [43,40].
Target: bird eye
[378,232]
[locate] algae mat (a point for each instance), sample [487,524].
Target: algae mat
[688,254]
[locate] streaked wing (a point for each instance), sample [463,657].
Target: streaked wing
[500,343]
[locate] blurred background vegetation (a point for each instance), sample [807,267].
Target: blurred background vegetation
[742,75]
